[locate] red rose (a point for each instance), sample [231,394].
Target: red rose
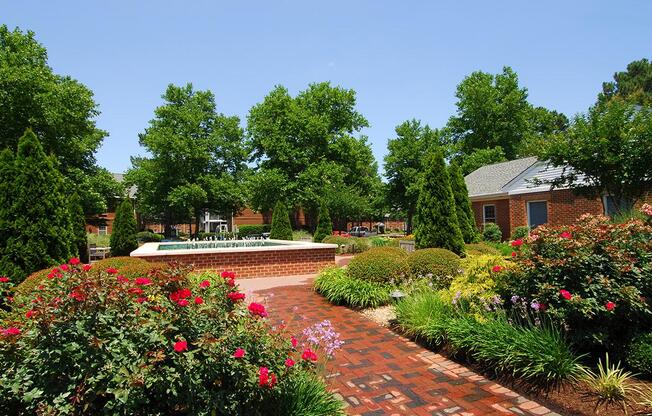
[228,275]
[263,376]
[565,235]
[122,279]
[257,309]
[294,342]
[64,267]
[29,313]
[497,269]
[199,300]
[309,355]
[141,300]
[135,291]
[181,346]
[517,243]
[236,296]
[87,267]
[205,284]
[182,302]
[513,254]
[112,270]
[180,294]
[610,306]
[289,362]
[142,281]
[239,353]
[230,282]
[77,296]
[4,279]
[74,261]
[11,331]
[565,294]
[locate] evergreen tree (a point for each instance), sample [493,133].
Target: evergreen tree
[281,228]
[7,176]
[123,237]
[41,232]
[79,227]
[324,224]
[465,217]
[437,224]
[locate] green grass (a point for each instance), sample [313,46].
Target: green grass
[424,315]
[308,397]
[340,289]
[99,240]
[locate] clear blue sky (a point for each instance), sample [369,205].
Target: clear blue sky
[404,58]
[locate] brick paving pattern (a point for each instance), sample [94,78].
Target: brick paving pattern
[380,373]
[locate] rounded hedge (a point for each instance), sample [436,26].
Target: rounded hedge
[492,232]
[639,356]
[380,264]
[438,264]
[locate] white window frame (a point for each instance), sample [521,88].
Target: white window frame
[527,203]
[102,230]
[484,218]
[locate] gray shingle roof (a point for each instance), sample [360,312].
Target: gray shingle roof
[491,179]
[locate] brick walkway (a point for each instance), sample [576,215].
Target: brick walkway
[380,373]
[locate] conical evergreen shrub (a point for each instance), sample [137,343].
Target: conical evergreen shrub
[123,237]
[324,224]
[437,224]
[281,227]
[41,231]
[465,217]
[79,227]
[7,176]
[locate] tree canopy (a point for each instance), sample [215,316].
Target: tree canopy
[633,85]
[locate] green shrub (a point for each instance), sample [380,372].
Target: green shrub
[149,237]
[383,242]
[491,232]
[611,385]
[162,345]
[436,264]
[103,240]
[381,265]
[348,245]
[281,227]
[475,287]
[477,249]
[591,277]
[504,248]
[123,238]
[520,232]
[339,288]
[464,212]
[639,354]
[253,229]
[324,224]
[425,315]
[298,235]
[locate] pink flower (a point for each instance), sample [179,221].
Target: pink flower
[74,261]
[205,284]
[265,379]
[239,353]
[517,243]
[610,306]
[289,362]
[141,300]
[309,355]
[235,296]
[294,342]
[86,267]
[11,331]
[4,279]
[565,294]
[112,270]
[122,279]
[566,235]
[199,300]
[182,302]
[142,281]
[257,309]
[230,282]
[497,269]
[64,267]
[181,346]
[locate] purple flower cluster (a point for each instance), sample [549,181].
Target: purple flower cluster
[324,336]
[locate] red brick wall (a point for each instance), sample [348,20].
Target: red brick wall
[250,217]
[248,264]
[502,214]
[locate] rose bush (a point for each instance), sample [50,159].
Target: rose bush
[90,340]
[594,277]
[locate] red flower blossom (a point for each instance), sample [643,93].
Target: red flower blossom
[199,300]
[289,362]
[122,279]
[180,294]
[29,313]
[517,243]
[309,355]
[74,261]
[64,267]
[182,302]
[228,275]
[497,269]
[294,342]
[10,331]
[230,282]
[513,254]
[181,346]
[77,296]
[4,279]
[235,296]
[263,376]
[565,294]
[86,267]
[257,309]
[112,270]
[143,281]
[135,291]
[566,235]
[239,353]
[610,306]
[141,300]
[205,284]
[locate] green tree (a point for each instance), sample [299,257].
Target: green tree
[437,224]
[478,158]
[324,224]
[404,163]
[123,237]
[463,210]
[79,227]
[606,151]
[633,85]
[544,125]
[281,228]
[197,160]
[60,110]
[41,232]
[7,176]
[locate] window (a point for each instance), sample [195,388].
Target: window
[101,229]
[489,213]
[537,213]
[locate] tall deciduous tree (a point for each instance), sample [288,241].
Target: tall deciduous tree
[404,164]
[197,160]
[606,151]
[281,227]
[61,112]
[437,224]
[465,217]
[123,237]
[633,85]
[41,231]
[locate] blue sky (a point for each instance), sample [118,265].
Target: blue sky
[404,58]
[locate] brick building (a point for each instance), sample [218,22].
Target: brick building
[506,194]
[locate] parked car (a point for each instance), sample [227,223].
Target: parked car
[359,232]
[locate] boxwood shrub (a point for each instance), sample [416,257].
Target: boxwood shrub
[491,232]
[381,265]
[253,229]
[149,237]
[437,264]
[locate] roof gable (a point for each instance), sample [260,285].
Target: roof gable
[492,179]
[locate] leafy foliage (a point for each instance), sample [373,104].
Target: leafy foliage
[465,217]
[324,225]
[148,237]
[123,238]
[339,288]
[281,228]
[479,158]
[491,232]
[380,265]
[633,85]
[437,223]
[611,385]
[78,223]
[350,245]
[639,354]
[477,249]
[520,232]
[438,265]
[253,229]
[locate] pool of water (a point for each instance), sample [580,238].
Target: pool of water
[192,245]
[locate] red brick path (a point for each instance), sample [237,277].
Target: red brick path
[380,373]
